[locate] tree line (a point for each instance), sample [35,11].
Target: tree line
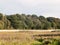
[23,21]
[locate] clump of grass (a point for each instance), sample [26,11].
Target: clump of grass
[36,43]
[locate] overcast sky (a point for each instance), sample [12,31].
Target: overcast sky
[47,8]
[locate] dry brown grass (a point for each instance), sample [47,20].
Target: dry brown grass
[23,37]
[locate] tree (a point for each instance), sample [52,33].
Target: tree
[29,23]
[23,21]
[47,25]
[1,25]
[1,16]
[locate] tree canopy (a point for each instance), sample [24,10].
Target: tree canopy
[23,21]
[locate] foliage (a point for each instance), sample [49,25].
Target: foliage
[48,42]
[22,21]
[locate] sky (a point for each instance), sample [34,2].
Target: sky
[47,8]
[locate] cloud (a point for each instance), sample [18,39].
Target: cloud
[39,7]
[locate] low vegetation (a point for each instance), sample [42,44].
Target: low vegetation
[47,42]
[28,38]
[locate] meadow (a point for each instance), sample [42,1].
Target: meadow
[29,37]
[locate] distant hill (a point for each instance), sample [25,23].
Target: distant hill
[23,21]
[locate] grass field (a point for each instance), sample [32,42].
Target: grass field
[25,37]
